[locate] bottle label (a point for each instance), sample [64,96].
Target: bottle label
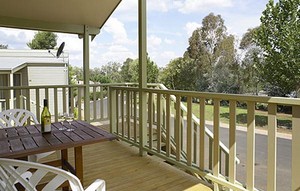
[47,124]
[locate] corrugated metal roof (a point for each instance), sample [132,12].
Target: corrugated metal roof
[11,60]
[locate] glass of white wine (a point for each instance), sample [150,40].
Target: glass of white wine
[68,118]
[62,127]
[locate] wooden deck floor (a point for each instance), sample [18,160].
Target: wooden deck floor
[122,168]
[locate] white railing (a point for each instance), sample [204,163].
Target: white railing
[61,99]
[173,129]
[173,132]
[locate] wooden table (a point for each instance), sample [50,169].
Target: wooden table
[18,142]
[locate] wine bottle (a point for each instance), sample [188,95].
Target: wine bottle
[46,118]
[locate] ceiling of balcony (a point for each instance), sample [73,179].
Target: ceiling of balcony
[56,15]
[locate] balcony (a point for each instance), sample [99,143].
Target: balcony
[172,133]
[152,119]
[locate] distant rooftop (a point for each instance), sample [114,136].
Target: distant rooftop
[14,60]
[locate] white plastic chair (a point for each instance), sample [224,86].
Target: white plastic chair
[16,117]
[19,117]
[11,172]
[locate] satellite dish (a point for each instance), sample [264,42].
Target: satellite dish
[60,49]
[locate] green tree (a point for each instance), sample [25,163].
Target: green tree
[226,70]
[125,73]
[108,73]
[112,71]
[179,74]
[279,37]
[75,73]
[3,46]
[210,50]
[251,75]
[43,40]
[130,71]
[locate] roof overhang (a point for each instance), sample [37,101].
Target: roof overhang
[66,16]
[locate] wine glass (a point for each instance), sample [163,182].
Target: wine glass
[62,127]
[69,117]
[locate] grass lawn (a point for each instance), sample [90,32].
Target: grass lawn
[261,119]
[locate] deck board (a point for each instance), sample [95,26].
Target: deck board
[122,168]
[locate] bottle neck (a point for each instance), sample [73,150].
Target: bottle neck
[45,103]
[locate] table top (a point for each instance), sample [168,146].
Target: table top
[18,142]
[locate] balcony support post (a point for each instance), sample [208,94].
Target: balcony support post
[86,73]
[142,38]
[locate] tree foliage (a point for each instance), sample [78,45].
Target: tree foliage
[75,73]
[114,72]
[43,40]
[179,74]
[211,53]
[279,37]
[130,71]
[253,57]
[3,46]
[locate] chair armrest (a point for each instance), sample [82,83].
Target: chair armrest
[97,185]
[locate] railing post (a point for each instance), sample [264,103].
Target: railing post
[159,121]
[296,148]
[122,113]
[168,126]
[216,141]
[79,96]
[135,117]
[101,104]
[55,105]
[113,113]
[202,134]
[272,146]
[177,128]
[250,145]
[128,114]
[190,131]
[150,120]
[64,102]
[232,142]
[37,103]
[95,103]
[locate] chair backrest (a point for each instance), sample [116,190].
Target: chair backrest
[11,172]
[16,117]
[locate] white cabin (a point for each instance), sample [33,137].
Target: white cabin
[33,68]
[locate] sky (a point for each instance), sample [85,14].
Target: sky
[170,23]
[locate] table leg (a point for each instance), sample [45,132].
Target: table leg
[79,163]
[64,157]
